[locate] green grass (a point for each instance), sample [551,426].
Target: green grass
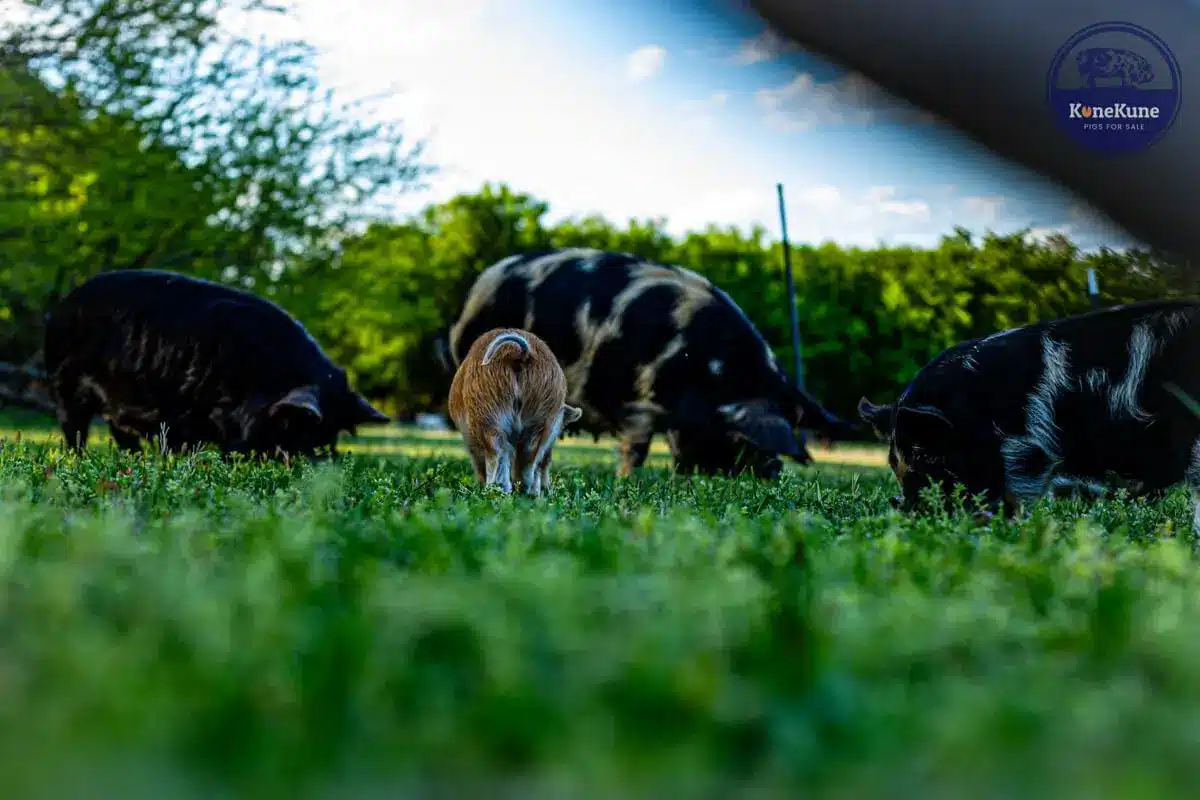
[382,627]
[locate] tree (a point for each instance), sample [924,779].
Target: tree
[145,133]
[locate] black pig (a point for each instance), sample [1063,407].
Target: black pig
[148,349]
[649,348]
[1079,405]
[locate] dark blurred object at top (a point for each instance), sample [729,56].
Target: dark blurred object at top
[982,68]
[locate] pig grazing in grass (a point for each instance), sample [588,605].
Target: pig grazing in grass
[1086,403]
[156,352]
[650,348]
[508,400]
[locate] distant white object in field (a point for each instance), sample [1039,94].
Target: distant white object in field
[431,422]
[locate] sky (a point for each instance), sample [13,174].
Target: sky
[630,110]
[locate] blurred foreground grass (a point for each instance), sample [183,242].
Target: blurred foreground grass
[382,627]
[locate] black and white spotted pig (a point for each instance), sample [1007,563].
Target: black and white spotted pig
[1086,403]
[648,348]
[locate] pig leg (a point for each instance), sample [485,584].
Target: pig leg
[527,464]
[499,461]
[635,446]
[1196,513]
[75,424]
[637,429]
[479,463]
[544,470]
[683,465]
[124,439]
[1192,479]
[537,468]
[78,398]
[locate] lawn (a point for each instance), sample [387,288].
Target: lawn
[382,627]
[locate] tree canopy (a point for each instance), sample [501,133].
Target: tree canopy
[144,133]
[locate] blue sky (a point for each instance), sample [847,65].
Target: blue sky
[625,108]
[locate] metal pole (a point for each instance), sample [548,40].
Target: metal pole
[1093,288]
[791,290]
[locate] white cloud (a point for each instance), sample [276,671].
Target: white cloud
[645,62]
[740,206]
[1044,233]
[819,197]
[14,12]
[987,208]
[767,46]
[702,114]
[912,208]
[880,198]
[1086,216]
[803,104]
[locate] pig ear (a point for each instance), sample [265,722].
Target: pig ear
[763,427]
[878,417]
[571,414]
[303,398]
